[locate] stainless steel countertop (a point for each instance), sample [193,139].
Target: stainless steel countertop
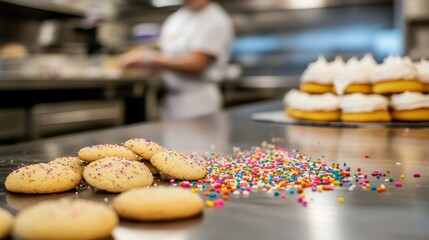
[399,213]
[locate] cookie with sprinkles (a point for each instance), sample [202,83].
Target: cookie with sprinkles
[6,220]
[66,219]
[144,148]
[42,178]
[178,165]
[97,152]
[117,174]
[158,204]
[71,162]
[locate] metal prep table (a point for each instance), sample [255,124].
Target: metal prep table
[399,213]
[47,107]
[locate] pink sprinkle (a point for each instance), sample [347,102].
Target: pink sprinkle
[171,181]
[416,175]
[365,176]
[300,199]
[359,169]
[219,203]
[304,203]
[283,196]
[398,184]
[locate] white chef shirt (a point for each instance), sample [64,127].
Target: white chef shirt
[209,31]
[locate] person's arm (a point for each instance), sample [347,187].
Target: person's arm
[193,63]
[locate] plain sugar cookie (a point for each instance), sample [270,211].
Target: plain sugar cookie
[72,162]
[144,147]
[97,152]
[117,174]
[6,223]
[42,178]
[178,165]
[158,204]
[66,219]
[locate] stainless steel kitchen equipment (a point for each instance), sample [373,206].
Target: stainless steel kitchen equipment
[398,213]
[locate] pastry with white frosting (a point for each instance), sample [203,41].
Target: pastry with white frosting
[363,108]
[410,106]
[318,77]
[423,74]
[395,75]
[356,78]
[304,106]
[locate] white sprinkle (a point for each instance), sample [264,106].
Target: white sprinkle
[398,164]
[106,199]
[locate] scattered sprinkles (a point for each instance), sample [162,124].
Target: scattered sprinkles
[280,172]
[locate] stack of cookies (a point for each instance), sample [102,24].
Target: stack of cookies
[361,91]
[128,169]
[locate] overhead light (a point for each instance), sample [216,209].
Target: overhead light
[305,4]
[166,3]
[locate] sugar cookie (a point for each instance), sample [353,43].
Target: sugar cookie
[42,178]
[178,165]
[6,220]
[117,174]
[66,219]
[158,204]
[144,148]
[97,152]
[73,162]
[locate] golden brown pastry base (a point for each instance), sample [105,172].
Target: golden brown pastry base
[397,86]
[415,115]
[320,116]
[426,87]
[315,88]
[356,88]
[377,116]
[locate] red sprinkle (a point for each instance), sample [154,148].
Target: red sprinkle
[416,175]
[366,156]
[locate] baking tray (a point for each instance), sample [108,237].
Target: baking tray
[282,118]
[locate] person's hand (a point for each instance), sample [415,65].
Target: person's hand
[138,57]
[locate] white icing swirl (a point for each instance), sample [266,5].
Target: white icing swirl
[360,103]
[337,66]
[356,72]
[369,61]
[410,101]
[307,102]
[318,72]
[423,71]
[394,68]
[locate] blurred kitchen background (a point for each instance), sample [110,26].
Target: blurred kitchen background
[57,57]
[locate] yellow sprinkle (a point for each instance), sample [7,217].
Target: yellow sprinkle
[402,176]
[302,195]
[341,200]
[209,203]
[337,183]
[368,185]
[319,189]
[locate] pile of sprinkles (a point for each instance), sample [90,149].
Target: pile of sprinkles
[279,172]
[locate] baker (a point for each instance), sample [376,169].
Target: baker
[195,45]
